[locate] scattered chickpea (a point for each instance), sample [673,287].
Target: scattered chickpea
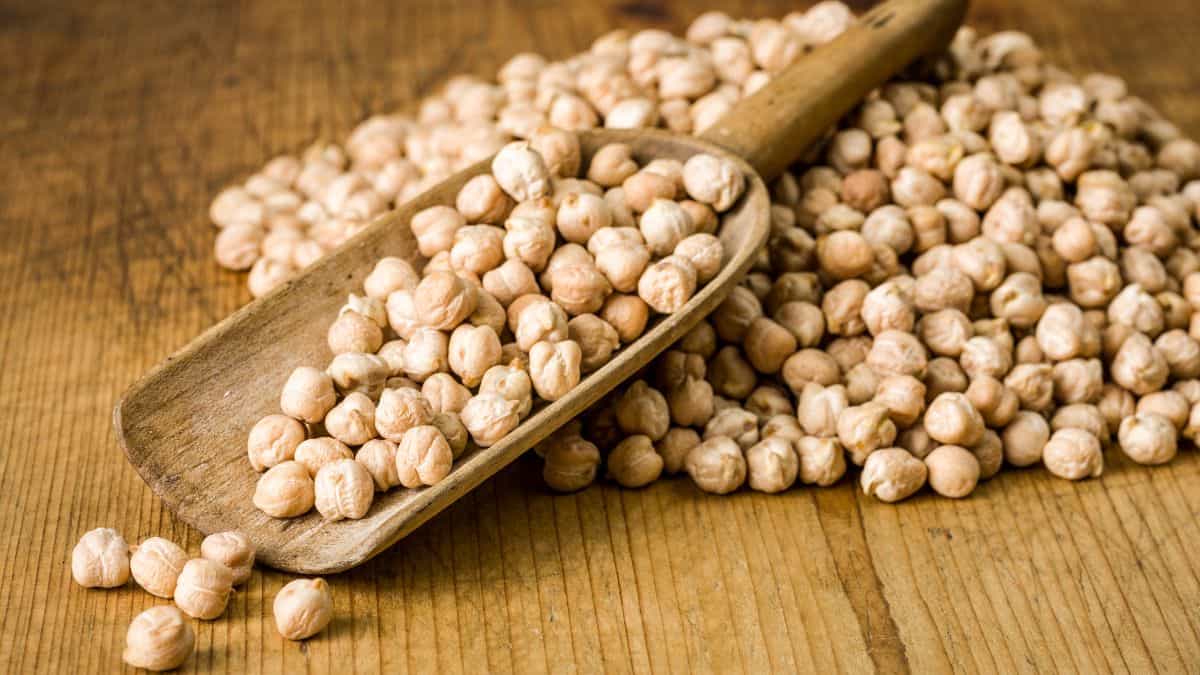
[286,490]
[203,588]
[303,608]
[717,465]
[156,564]
[772,465]
[891,474]
[272,440]
[571,465]
[1073,454]
[634,462]
[423,457]
[953,471]
[158,639]
[100,559]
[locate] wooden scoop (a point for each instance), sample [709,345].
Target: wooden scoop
[184,425]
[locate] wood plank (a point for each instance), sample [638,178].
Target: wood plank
[117,125]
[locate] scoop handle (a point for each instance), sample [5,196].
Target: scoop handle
[773,127]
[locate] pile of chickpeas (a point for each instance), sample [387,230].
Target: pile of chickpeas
[993,264]
[534,279]
[161,638]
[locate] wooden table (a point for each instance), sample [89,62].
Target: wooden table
[117,125]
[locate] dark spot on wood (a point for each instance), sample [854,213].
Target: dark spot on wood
[941,532]
[651,11]
[878,22]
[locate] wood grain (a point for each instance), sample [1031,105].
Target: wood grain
[117,124]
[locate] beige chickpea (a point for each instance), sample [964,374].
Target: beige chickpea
[945,332]
[315,453]
[509,281]
[628,314]
[767,401]
[1060,331]
[233,550]
[482,200]
[378,457]
[622,264]
[844,254]
[888,307]
[444,393]
[540,321]
[614,236]
[100,559]
[390,275]
[944,375]
[822,461]
[896,352]
[612,164]
[983,261]
[489,417]
[820,407]
[784,425]
[865,428]
[1078,380]
[1171,405]
[1024,438]
[423,457]
[1073,454]
[989,453]
[285,491]
[861,383]
[402,313]
[238,246]
[733,316]
[736,423]
[645,188]
[427,353]
[674,448]
[571,465]
[352,421]
[307,395]
[559,150]
[203,588]
[266,275]
[1093,282]
[1081,416]
[597,340]
[1033,383]
[705,252]
[580,215]
[953,471]
[668,284]
[641,409]
[842,306]
[664,224]
[951,419]
[634,463]
[579,288]
[986,356]
[892,474]
[302,608]
[1139,366]
[904,397]
[772,465]
[717,465]
[554,368]
[272,440]
[472,350]
[701,340]
[713,180]
[400,410]
[1075,240]
[156,564]
[691,402]
[1019,300]
[366,306]
[1189,389]
[1137,309]
[354,372]
[943,288]
[511,383]
[978,182]
[768,345]
[158,639]
[805,321]
[521,172]
[530,240]
[916,441]
[353,332]
[996,403]
[1104,197]
[453,430]
[477,250]
[443,300]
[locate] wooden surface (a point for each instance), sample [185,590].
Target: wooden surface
[118,122]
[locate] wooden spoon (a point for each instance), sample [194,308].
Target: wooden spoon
[183,426]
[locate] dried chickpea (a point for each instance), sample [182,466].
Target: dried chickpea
[1073,454]
[717,465]
[233,550]
[953,471]
[904,396]
[378,457]
[772,465]
[400,410]
[713,180]
[634,462]
[1080,416]
[307,395]
[865,428]
[427,353]
[996,403]
[1139,366]
[355,372]
[1024,438]
[628,314]
[819,409]
[423,457]
[315,453]
[100,559]
[302,608]
[203,588]
[156,564]
[158,639]
[272,440]
[489,417]
[352,421]
[353,332]
[1169,404]
[286,490]
[554,368]
[674,448]
[897,352]
[768,345]
[951,419]
[891,474]
[443,300]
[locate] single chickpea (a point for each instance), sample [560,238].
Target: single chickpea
[1139,366]
[888,307]
[453,430]
[784,425]
[427,353]
[916,441]
[996,403]
[713,180]
[307,395]
[579,289]
[233,550]
[1078,380]
[644,188]
[402,313]
[158,639]
[736,423]
[767,401]
[612,164]
[511,383]
[691,402]
[705,252]
[628,314]
[489,417]
[810,365]
[891,475]
[482,200]
[642,409]
[378,457]
[530,240]
[822,461]
[509,281]
[203,588]
[986,356]
[805,321]
[953,471]
[354,372]
[1137,309]
[772,465]
[444,393]
[944,375]
[1081,416]
[844,254]
[581,215]
[674,448]
[423,457]
[554,368]
[1073,454]
[317,452]
[1060,331]
[664,224]
[943,288]
[539,321]
[1033,383]
[904,397]
[1171,405]
[400,410]
[272,440]
[733,316]
[472,350]
[238,246]
[571,465]
[1093,282]
[559,149]
[1019,300]
[390,275]
[156,564]
[978,182]
[820,407]
[768,345]
[1024,438]
[100,559]
[842,306]
[717,465]
[285,491]
[865,428]
[352,421]
[989,452]
[443,300]
[477,249]
[668,284]
[951,419]
[1028,350]
[353,332]
[622,264]
[896,352]
[634,463]
[597,340]
[945,331]
[302,608]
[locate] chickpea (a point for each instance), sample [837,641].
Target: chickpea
[1168,404]
[315,453]
[554,368]
[767,401]
[717,465]
[353,420]
[733,316]
[158,639]
[996,403]
[529,240]
[644,188]
[400,410]
[865,428]
[307,395]
[378,457]
[1139,366]
[628,314]
[390,275]
[943,288]
[1024,438]
[896,352]
[768,345]
[643,410]
[1019,300]
[1060,331]
[675,446]
[233,550]
[272,440]
[482,200]
[286,490]
[612,164]
[713,180]
[1093,282]
[355,372]
[989,452]
[100,559]
[634,463]
[772,465]
[1073,454]
[203,588]
[809,365]
[302,608]
[509,281]
[952,471]
[691,402]
[489,417]
[945,332]
[444,393]
[842,306]
[668,284]
[891,475]
[904,397]
[423,457]
[443,300]
[1080,416]
[579,289]
[736,423]
[571,465]
[951,419]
